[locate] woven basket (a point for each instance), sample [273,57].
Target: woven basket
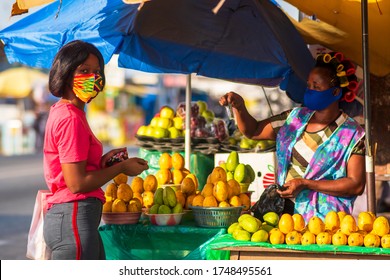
[216,216]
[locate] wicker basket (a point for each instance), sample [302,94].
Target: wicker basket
[216,216]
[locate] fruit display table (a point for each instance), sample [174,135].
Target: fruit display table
[144,241]
[246,250]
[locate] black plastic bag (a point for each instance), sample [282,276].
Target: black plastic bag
[269,201]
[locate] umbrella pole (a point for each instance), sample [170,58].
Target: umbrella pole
[187,139]
[370,174]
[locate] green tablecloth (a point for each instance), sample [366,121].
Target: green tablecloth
[144,241]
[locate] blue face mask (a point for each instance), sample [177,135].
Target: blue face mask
[318,100]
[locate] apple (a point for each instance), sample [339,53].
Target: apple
[167,112]
[174,132]
[142,130]
[159,132]
[208,115]
[178,122]
[202,106]
[164,122]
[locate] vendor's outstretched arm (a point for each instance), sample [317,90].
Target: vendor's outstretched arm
[247,124]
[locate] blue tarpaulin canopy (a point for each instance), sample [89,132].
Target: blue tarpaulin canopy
[247,41]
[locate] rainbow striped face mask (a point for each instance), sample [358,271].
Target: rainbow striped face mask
[87,86]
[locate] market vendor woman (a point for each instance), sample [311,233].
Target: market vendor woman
[319,148]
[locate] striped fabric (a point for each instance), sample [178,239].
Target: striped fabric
[306,146]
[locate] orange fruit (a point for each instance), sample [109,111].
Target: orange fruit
[165,161]
[324,238]
[293,238]
[139,197]
[332,221]
[276,236]
[210,201]
[198,200]
[180,197]
[150,183]
[223,204]
[348,225]
[124,192]
[371,240]
[207,190]
[233,188]
[193,178]
[163,176]
[299,222]
[286,223]
[120,179]
[148,198]
[137,184]
[235,201]
[246,202]
[381,226]
[111,191]
[189,201]
[177,161]
[220,191]
[339,238]
[119,206]
[308,238]
[177,176]
[134,205]
[218,174]
[188,186]
[355,239]
[107,206]
[316,225]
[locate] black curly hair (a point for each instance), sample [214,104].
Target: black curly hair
[68,58]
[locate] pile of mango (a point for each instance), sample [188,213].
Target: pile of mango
[165,202]
[241,172]
[338,228]
[120,197]
[221,192]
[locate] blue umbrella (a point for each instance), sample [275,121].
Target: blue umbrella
[247,41]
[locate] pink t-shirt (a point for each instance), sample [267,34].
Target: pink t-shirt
[68,138]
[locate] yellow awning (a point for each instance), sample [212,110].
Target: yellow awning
[339,28]
[19,82]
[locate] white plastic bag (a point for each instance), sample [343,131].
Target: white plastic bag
[36,246]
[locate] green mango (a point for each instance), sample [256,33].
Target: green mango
[178,208]
[232,161]
[223,165]
[250,172]
[164,209]
[229,175]
[154,209]
[233,227]
[169,197]
[250,224]
[158,196]
[240,173]
[240,234]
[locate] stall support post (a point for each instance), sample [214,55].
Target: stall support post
[187,140]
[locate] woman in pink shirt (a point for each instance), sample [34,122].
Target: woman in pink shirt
[74,167]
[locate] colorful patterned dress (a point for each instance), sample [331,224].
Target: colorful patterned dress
[322,155]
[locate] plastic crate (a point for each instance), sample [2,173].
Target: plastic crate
[216,216]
